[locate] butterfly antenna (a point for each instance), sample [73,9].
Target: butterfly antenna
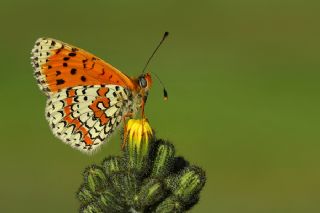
[154,52]
[165,93]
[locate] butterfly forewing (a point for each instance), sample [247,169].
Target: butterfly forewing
[59,65]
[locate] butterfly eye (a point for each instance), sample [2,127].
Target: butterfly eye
[142,82]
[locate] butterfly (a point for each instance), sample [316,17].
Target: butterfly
[87,98]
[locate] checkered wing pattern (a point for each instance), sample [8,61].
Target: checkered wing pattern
[85,116]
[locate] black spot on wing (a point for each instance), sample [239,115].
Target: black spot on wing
[73,71]
[60,81]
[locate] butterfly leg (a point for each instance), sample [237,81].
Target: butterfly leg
[142,111]
[125,131]
[143,102]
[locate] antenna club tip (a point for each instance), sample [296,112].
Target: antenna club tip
[166,34]
[165,94]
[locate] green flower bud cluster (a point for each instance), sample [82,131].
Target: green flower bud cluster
[151,180]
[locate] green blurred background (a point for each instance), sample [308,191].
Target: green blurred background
[243,82]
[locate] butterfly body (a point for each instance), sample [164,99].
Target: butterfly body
[87,97]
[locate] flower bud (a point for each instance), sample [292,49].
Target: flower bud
[91,208]
[139,134]
[85,195]
[95,178]
[188,183]
[152,191]
[170,204]
[112,164]
[164,159]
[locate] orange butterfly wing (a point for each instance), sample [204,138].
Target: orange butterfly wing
[59,65]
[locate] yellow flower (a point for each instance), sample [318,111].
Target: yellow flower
[138,131]
[137,136]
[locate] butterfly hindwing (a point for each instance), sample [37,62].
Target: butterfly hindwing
[59,66]
[85,116]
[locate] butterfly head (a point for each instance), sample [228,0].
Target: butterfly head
[145,82]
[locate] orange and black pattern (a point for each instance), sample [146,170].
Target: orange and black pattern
[87,97]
